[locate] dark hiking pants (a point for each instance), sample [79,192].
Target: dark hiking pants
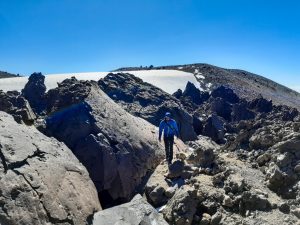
[169,141]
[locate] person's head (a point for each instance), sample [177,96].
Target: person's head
[167,116]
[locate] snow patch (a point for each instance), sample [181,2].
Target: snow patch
[208,85]
[167,80]
[199,76]
[160,209]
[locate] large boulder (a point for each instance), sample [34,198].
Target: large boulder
[117,148]
[41,181]
[16,105]
[135,212]
[290,143]
[34,91]
[182,207]
[194,94]
[241,112]
[214,127]
[221,108]
[147,101]
[261,105]
[263,138]
[157,186]
[203,153]
[225,93]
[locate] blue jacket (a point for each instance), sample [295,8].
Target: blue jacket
[169,128]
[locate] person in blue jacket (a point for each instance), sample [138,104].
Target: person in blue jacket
[169,127]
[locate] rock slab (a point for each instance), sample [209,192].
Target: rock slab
[41,181]
[136,212]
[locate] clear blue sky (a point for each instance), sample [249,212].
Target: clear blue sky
[57,36]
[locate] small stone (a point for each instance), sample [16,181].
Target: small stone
[171,191]
[284,207]
[206,218]
[228,202]
[181,156]
[175,169]
[262,159]
[297,168]
[296,212]
[216,218]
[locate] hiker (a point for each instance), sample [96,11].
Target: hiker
[170,129]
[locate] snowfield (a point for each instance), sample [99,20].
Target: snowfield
[168,80]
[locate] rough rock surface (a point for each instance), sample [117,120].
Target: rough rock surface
[231,190]
[147,101]
[214,127]
[34,91]
[182,207]
[42,182]
[16,105]
[251,175]
[136,212]
[203,153]
[117,148]
[191,95]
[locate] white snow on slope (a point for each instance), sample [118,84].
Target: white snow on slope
[168,80]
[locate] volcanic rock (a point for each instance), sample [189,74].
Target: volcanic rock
[214,128]
[34,91]
[178,94]
[183,203]
[261,105]
[203,152]
[42,182]
[16,105]
[136,212]
[241,112]
[194,94]
[225,93]
[221,108]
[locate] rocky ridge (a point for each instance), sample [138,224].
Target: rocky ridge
[4,75]
[245,84]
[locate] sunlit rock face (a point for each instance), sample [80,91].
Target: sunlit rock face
[42,182]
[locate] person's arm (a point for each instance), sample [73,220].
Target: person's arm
[161,125]
[176,129]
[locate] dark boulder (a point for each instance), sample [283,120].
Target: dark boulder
[241,112]
[147,101]
[261,105]
[195,95]
[16,105]
[34,91]
[221,108]
[225,93]
[70,92]
[214,127]
[197,124]
[177,94]
[136,212]
[289,114]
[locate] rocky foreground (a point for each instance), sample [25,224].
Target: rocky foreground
[83,146]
